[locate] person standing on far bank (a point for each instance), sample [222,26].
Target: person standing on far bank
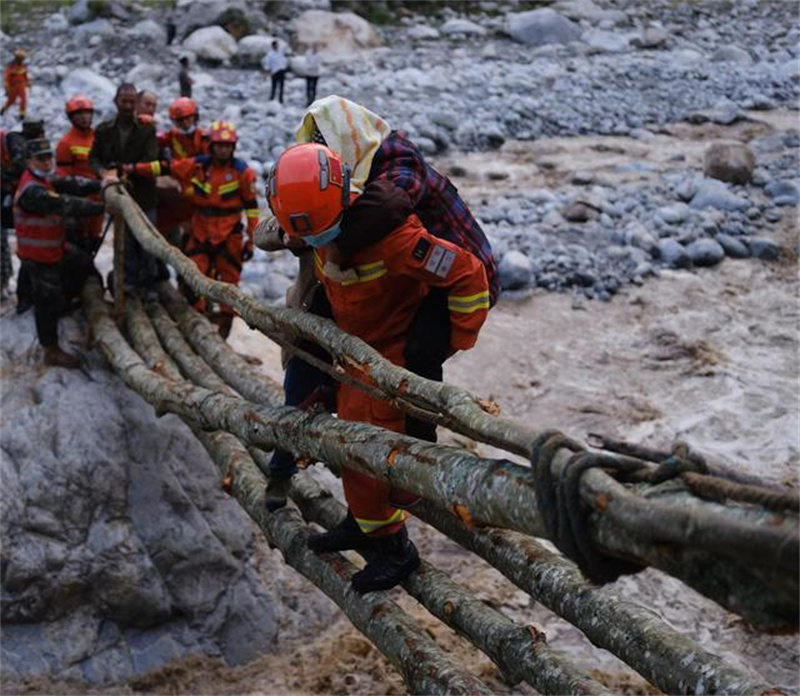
[185,79]
[313,67]
[275,64]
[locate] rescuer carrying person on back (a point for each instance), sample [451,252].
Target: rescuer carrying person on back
[374,152]
[72,159]
[16,82]
[375,292]
[222,188]
[57,270]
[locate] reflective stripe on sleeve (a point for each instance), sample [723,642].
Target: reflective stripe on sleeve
[155,167]
[467,304]
[228,188]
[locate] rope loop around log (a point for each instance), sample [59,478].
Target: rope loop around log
[565,516]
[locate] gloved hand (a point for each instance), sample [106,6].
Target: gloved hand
[247,250]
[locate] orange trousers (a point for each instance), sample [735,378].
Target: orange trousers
[14,93]
[221,261]
[367,497]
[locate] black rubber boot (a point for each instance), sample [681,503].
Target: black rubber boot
[345,536]
[395,558]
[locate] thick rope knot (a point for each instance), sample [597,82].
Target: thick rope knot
[564,514]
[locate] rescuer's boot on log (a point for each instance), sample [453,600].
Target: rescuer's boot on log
[393,560]
[345,536]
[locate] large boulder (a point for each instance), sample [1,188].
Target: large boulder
[731,54]
[212,44]
[236,16]
[150,30]
[732,162]
[98,27]
[340,33]
[253,48]
[540,27]
[88,82]
[120,549]
[586,10]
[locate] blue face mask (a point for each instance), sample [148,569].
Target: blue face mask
[42,173]
[324,238]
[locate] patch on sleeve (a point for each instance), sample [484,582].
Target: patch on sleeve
[421,249]
[440,261]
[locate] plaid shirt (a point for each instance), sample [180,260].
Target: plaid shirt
[435,199]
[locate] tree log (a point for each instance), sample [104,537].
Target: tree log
[639,637]
[521,652]
[425,668]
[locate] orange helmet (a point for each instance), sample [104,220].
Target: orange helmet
[79,102]
[222,132]
[308,191]
[182,107]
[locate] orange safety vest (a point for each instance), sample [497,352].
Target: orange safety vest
[39,237]
[72,154]
[182,146]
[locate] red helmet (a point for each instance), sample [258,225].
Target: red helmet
[79,102]
[308,191]
[222,132]
[182,107]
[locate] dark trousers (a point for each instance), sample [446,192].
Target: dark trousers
[53,285]
[427,347]
[311,89]
[7,221]
[142,270]
[277,85]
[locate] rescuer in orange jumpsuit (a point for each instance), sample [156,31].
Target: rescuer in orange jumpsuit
[16,82]
[183,140]
[72,159]
[222,187]
[374,292]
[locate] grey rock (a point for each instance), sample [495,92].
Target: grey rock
[764,249]
[81,12]
[783,192]
[211,43]
[673,254]
[773,215]
[151,31]
[56,22]
[423,33]
[600,41]
[579,211]
[674,214]
[732,162]
[515,270]
[540,27]
[652,36]
[712,193]
[731,54]
[705,252]
[461,26]
[101,28]
[583,178]
[735,248]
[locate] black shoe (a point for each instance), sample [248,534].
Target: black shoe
[345,536]
[395,558]
[277,492]
[23,304]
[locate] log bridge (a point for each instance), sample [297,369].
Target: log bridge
[732,538]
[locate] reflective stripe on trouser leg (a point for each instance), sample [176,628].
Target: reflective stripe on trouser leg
[368,500]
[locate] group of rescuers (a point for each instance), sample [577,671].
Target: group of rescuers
[387,249]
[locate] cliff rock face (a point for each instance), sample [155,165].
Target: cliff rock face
[120,550]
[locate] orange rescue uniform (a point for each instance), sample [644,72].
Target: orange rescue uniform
[175,210]
[72,159]
[16,83]
[376,299]
[219,195]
